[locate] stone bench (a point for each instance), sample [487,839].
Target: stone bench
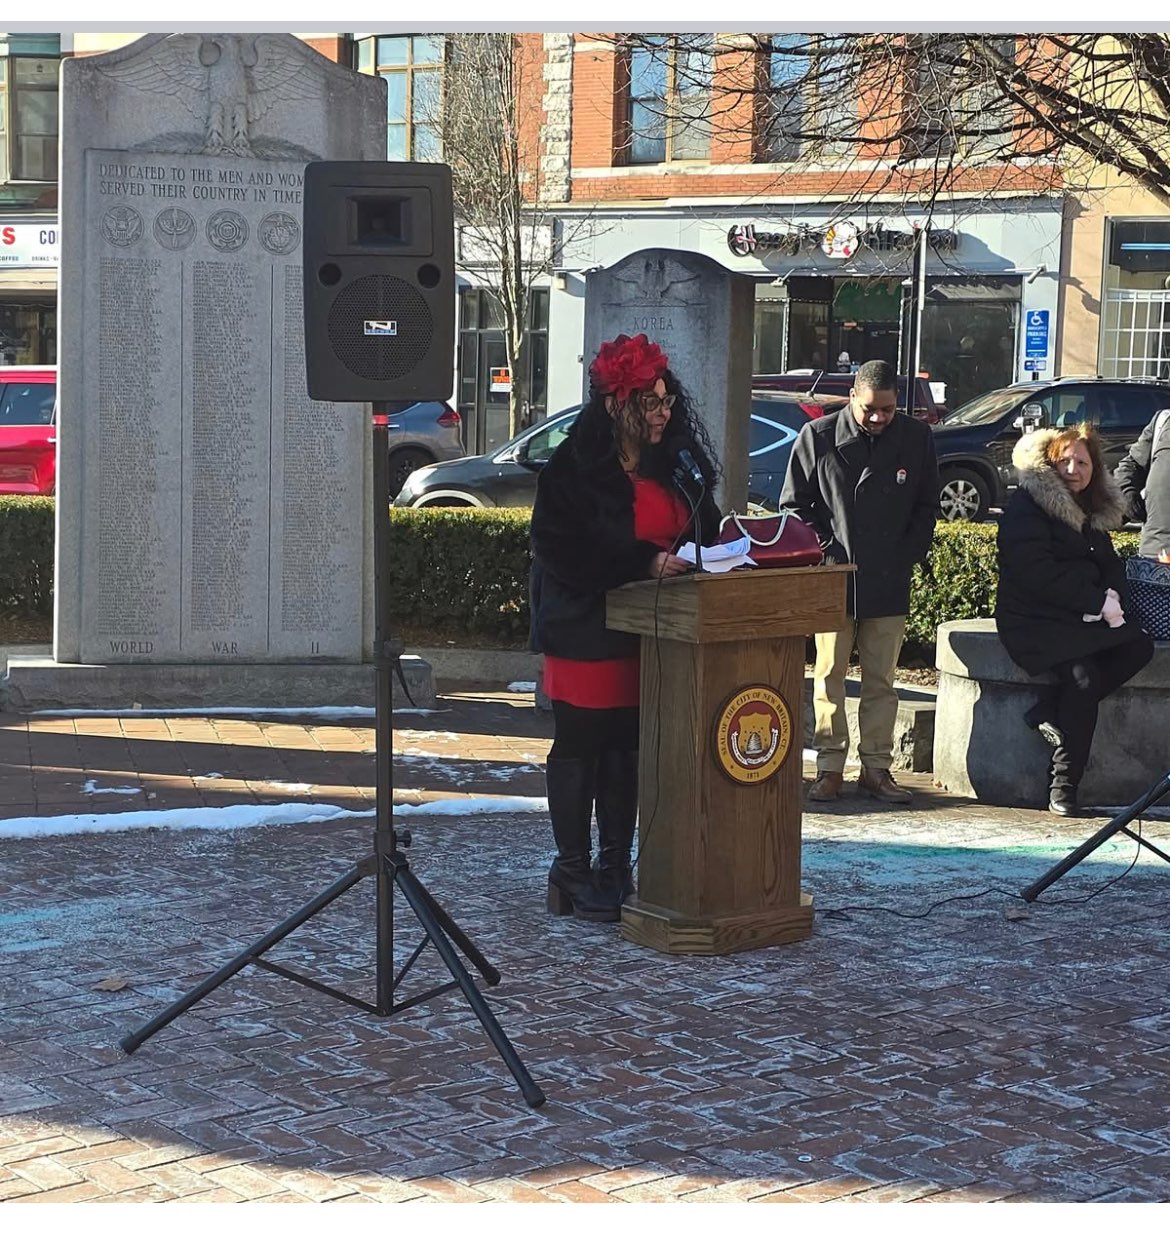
[983,748]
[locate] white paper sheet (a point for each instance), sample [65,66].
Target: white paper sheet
[721,557]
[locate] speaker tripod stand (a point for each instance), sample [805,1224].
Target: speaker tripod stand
[387,864]
[1154,794]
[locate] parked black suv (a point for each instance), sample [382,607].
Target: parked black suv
[974,444]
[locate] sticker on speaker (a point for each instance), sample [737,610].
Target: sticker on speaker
[381,327]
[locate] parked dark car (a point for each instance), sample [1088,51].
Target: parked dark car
[421,433]
[974,445]
[507,477]
[819,385]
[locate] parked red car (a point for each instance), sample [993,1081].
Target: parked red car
[28,430]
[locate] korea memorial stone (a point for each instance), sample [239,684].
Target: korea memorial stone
[700,313]
[209,511]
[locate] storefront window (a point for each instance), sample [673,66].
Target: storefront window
[970,346]
[484,382]
[768,356]
[28,334]
[1135,323]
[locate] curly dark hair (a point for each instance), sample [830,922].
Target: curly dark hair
[594,435]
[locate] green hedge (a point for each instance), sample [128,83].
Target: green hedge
[461,571]
[26,555]
[464,571]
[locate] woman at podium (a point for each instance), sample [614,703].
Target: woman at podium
[610,507]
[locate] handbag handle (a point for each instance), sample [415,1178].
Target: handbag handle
[734,517]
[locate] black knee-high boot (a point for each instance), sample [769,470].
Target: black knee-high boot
[571,886]
[617,817]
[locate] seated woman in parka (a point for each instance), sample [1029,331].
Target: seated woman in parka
[1061,599]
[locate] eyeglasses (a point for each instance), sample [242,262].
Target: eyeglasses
[652,402]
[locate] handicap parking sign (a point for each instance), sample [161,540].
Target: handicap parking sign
[1036,337]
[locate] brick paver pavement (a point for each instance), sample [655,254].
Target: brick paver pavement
[961,1056]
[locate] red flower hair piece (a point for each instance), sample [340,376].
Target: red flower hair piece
[626,365]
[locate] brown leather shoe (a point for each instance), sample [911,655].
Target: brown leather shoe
[827,786]
[877,782]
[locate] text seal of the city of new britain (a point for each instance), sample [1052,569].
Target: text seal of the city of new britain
[753,734]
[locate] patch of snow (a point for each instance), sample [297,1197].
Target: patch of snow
[521,687]
[477,805]
[287,785]
[218,818]
[211,775]
[91,787]
[325,713]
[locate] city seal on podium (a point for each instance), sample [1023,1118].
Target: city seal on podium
[753,734]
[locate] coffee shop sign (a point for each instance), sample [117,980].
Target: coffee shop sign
[841,240]
[30,245]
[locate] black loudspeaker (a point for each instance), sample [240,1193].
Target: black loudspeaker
[379,276]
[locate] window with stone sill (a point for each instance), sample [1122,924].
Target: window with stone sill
[953,106]
[412,65]
[28,118]
[668,98]
[810,106]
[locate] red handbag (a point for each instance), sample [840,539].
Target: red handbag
[779,540]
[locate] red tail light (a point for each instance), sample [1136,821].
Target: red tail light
[449,418]
[812,411]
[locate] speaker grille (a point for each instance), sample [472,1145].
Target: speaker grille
[383,298]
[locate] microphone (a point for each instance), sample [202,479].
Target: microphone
[689,467]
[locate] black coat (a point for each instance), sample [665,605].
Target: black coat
[872,500]
[1146,467]
[1055,564]
[583,545]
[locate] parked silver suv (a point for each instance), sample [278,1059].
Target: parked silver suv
[421,433]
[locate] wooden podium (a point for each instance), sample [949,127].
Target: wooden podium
[722,735]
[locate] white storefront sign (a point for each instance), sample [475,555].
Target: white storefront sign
[30,245]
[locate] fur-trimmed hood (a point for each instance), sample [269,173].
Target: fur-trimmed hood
[1047,488]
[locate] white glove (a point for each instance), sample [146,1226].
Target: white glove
[1112,613]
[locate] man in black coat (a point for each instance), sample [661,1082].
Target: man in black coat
[866,479]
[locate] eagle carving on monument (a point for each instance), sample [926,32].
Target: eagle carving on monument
[228,82]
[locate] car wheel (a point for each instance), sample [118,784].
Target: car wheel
[403,464]
[963,496]
[443,502]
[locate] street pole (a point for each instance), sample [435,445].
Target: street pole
[910,353]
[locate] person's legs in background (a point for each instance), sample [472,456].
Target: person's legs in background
[879,643]
[831,731]
[1082,684]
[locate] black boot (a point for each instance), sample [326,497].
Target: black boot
[1066,777]
[617,817]
[571,886]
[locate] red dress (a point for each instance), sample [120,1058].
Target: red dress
[659,517]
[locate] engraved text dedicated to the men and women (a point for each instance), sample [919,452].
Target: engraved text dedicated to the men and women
[222,497]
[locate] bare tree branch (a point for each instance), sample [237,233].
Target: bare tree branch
[950,114]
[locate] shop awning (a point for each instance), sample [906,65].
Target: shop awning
[973,288]
[28,280]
